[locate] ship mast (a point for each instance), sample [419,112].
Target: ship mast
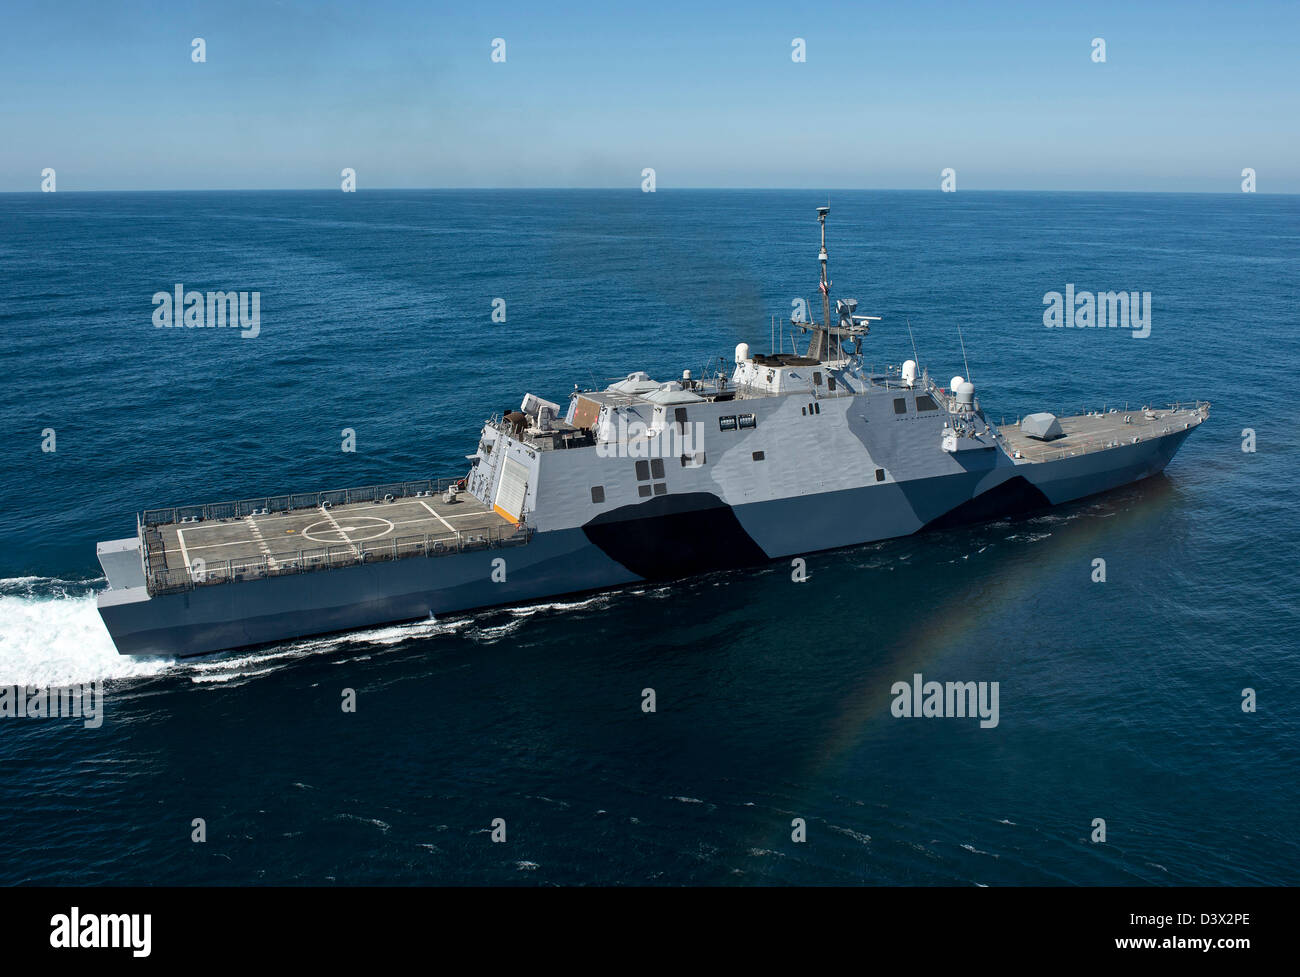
[826,282]
[824,345]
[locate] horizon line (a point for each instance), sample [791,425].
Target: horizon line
[635,189]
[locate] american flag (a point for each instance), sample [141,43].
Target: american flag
[825,287]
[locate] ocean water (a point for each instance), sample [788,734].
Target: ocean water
[1119,701]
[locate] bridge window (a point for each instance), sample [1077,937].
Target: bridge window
[657,467]
[926,402]
[643,471]
[643,491]
[661,488]
[598,494]
[900,405]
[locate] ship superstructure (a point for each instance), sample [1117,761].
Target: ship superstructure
[788,454]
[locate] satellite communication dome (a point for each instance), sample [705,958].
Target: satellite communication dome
[909,372]
[742,352]
[956,382]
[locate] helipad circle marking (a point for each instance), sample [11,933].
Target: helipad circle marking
[356,529]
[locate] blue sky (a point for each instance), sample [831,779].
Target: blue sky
[706,94]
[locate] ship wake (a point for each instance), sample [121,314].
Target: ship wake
[51,635]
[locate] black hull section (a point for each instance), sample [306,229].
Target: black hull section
[1014,496]
[675,536]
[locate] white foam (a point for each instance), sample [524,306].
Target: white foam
[51,634]
[45,586]
[857,836]
[489,635]
[532,609]
[240,666]
[58,638]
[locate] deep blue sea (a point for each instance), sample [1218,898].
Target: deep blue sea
[1118,700]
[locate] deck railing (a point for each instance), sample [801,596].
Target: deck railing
[293,501]
[337,555]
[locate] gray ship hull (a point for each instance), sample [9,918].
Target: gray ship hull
[789,455]
[663,537]
[253,612]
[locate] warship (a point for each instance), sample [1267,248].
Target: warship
[787,455]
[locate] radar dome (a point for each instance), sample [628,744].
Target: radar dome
[742,352]
[965,392]
[909,372]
